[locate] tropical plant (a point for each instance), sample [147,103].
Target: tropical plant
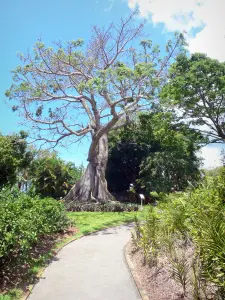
[194,219]
[52,177]
[179,268]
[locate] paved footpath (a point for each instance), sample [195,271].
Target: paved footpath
[90,268]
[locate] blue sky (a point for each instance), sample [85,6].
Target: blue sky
[22,22]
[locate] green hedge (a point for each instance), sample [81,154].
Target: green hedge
[102,207]
[25,220]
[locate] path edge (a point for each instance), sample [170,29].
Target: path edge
[26,295]
[131,268]
[55,252]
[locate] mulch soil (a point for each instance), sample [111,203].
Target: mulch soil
[157,281]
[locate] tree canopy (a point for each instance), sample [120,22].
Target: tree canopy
[196,87]
[42,172]
[155,153]
[73,90]
[14,157]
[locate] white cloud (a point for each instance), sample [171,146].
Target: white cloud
[175,14]
[210,40]
[206,16]
[211,156]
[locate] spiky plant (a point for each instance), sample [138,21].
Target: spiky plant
[179,269]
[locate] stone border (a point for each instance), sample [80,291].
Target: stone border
[130,265]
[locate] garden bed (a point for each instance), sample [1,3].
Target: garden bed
[157,281]
[101,207]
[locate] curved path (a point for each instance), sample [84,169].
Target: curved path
[90,268]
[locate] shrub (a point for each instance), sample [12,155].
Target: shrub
[104,207]
[52,177]
[149,239]
[198,217]
[14,157]
[25,220]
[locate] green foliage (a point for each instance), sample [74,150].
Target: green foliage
[214,172]
[145,236]
[85,222]
[14,157]
[206,223]
[24,220]
[69,91]
[174,163]
[88,222]
[104,207]
[210,239]
[108,72]
[196,87]
[149,241]
[136,235]
[40,172]
[126,152]
[14,294]
[155,153]
[52,177]
[179,270]
[196,217]
[196,279]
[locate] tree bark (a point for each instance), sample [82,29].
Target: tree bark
[92,187]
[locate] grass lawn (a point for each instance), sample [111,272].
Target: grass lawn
[85,223]
[88,222]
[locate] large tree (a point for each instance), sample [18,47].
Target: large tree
[72,90]
[196,88]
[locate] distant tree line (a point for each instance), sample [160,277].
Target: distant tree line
[40,172]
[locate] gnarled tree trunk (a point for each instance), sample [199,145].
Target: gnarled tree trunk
[93,186]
